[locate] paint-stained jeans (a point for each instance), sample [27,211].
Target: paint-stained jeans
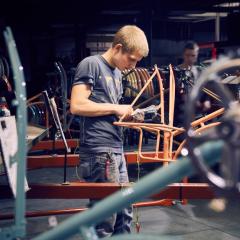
[107,167]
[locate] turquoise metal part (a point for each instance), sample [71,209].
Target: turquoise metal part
[147,186]
[19,229]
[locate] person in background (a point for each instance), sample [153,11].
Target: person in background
[190,72]
[190,57]
[95,96]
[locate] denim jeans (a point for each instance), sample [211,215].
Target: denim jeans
[107,167]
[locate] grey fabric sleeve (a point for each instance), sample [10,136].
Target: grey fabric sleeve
[86,72]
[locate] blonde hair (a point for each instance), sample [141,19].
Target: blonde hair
[132,39]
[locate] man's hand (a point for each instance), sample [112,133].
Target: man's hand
[123,110]
[138,117]
[206,105]
[139,114]
[203,106]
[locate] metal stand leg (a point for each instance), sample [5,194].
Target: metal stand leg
[65,182]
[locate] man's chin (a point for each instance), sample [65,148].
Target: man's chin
[127,69]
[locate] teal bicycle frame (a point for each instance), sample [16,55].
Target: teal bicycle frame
[152,183]
[19,229]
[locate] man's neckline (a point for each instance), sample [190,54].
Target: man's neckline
[107,63]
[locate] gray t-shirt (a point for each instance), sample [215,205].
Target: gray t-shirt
[98,134]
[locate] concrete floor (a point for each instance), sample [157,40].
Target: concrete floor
[193,221]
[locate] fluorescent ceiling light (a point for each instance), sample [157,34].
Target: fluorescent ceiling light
[207,14]
[228,4]
[180,17]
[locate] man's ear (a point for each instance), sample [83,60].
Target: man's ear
[118,47]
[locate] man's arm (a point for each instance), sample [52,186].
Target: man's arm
[81,105]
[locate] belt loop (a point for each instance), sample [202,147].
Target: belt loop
[107,167]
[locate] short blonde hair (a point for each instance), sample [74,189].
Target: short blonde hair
[132,39]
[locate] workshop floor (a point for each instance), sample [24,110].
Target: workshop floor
[193,221]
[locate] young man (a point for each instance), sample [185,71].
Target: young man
[191,71]
[190,56]
[96,92]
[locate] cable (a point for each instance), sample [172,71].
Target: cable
[136,212]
